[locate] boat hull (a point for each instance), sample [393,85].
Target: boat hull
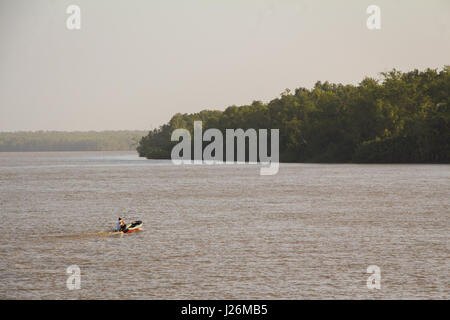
[134,226]
[133,230]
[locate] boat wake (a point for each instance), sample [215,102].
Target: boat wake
[130,228]
[100,234]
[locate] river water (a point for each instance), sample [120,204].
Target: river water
[220,232]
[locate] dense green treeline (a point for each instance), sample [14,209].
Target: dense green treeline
[405,117]
[70,141]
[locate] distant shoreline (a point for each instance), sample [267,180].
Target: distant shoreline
[54,151]
[61,141]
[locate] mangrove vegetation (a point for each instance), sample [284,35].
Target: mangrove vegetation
[403,117]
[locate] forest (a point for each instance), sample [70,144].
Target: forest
[402,117]
[69,141]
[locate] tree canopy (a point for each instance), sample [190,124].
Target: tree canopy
[404,117]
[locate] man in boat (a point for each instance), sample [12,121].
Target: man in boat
[121,226]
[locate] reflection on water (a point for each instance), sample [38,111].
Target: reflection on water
[311,231]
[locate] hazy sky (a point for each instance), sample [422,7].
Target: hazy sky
[133,64]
